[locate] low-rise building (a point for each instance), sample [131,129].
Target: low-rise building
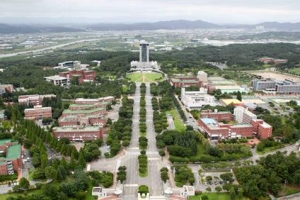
[57,80]
[38,112]
[215,130]
[108,99]
[79,133]
[195,100]
[227,102]
[10,157]
[34,99]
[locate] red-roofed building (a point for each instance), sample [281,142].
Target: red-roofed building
[82,74]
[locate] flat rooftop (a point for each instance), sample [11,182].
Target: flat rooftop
[209,121]
[3,142]
[77,129]
[13,152]
[67,111]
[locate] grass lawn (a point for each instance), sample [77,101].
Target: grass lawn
[144,77]
[179,126]
[200,150]
[153,76]
[144,174]
[295,70]
[135,77]
[215,196]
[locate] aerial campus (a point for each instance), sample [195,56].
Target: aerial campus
[150,123]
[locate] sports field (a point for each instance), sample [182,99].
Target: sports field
[144,77]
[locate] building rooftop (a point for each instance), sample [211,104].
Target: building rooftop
[241,125]
[67,111]
[266,125]
[230,101]
[209,121]
[55,78]
[13,152]
[3,142]
[77,129]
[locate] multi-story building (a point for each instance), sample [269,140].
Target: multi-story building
[83,75]
[215,130]
[202,76]
[38,112]
[218,116]
[107,99]
[178,82]
[57,80]
[243,115]
[195,100]
[144,64]
[144,51]
[259,85]
[10,157]
[278,87]
[6,88]
[262,129]
[187,81]
[34,99]
[83,113]
[79,133]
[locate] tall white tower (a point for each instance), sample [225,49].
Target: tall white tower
[144,51]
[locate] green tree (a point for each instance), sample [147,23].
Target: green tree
[239,96]
[24,184]
[232,193]
[61,173]
[50,173]
[218,189]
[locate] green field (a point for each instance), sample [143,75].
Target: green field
[179,126]
[215,196]
[295,71]
[144,77]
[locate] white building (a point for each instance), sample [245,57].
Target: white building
[202,76]
[195,100]
[243,115]
[57,80]
[144,64]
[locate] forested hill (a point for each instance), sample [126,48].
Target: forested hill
[241,55]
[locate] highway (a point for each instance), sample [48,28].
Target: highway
[49,48]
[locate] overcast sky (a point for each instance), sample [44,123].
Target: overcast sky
[216,11]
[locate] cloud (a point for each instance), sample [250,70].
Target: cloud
[218,11]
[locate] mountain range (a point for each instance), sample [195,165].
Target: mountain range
[167,25]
